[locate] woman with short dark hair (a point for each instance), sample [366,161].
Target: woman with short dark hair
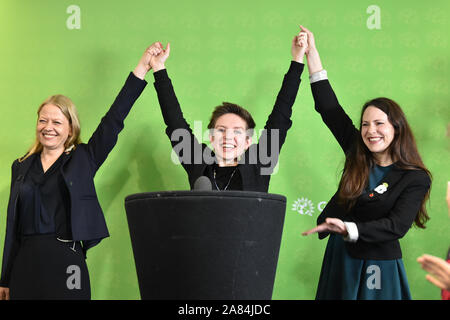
[227,107]
[234,163]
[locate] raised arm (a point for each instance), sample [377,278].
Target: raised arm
[326,102]
[105,136]
[312,54]
[280,117]
[279,120]
[168,101]
[184,143]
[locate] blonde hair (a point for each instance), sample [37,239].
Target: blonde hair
[69,110]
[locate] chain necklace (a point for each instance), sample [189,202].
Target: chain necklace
[228,180]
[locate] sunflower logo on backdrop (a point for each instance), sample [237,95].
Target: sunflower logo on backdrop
[303,206]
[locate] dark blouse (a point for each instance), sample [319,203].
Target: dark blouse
[43,201]
[226,178]
[377,174]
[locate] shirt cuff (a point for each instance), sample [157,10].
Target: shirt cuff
[317,76]
[352,231]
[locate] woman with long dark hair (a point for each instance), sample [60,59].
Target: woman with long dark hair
[382,193]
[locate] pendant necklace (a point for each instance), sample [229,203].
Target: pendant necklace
[232,174]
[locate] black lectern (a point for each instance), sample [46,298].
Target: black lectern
[206,244]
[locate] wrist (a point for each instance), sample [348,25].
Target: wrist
[314,63]
[158,67]
[298,58]
[140,71]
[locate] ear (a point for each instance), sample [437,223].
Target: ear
[248,142]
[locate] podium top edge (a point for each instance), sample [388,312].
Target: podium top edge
[212,194]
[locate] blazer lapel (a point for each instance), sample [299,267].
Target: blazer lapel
[389,181]
[24,167]
[393,177]
[66,156]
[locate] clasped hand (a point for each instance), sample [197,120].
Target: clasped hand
[299,46]
[154,58]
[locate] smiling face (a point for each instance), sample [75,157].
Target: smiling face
[53,128]
[377,133]
[229,139]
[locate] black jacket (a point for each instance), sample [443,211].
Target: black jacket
[78,170]
[381,218]
[254,170]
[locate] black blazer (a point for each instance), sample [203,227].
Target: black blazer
[381,218]
[252,165]
[78,170]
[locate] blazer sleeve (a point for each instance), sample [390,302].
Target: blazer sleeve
[279,120]
[188,149]
[105,136]
[333,115]
[11,244]
[401,217]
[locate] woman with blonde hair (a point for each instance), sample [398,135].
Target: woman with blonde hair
[54,215]
[69,110]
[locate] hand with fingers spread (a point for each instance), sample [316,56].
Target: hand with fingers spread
[299,47]
[332,225]
[439,270]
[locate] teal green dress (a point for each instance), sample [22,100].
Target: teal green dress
[345,278]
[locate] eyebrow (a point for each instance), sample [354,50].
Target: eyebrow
[227,128]
[52,119]
[373,120]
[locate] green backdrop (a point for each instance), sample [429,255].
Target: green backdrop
[237,51]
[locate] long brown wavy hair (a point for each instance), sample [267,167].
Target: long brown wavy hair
[403,151]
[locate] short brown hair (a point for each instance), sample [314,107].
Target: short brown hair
[227,107]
